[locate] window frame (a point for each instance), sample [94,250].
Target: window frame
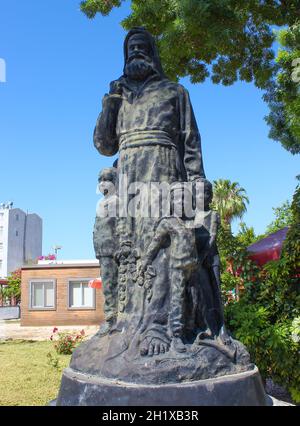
[40,308]
[80,308]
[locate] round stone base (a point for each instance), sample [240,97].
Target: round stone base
[243,389]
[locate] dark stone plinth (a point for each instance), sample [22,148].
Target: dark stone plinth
[244,389]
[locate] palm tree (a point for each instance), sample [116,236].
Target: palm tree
[230,200]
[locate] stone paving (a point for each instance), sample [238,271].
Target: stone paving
[11,329]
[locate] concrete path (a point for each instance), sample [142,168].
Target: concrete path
[278,403]
[11,329]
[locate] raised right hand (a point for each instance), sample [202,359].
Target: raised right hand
[115,88]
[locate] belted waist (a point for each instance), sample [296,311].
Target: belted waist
[145,137]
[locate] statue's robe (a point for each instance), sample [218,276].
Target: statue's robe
[159,114]
[155,132]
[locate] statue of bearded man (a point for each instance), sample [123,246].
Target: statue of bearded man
[168,323]
[150,121]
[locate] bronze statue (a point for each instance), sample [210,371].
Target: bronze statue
[164,315]
[149,120]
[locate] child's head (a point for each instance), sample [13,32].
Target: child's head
[107,179]
[180,200]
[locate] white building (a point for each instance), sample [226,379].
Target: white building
[20,238]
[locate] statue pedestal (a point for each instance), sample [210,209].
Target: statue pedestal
[243,389]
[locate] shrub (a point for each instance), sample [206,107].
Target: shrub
[66,342]
[267,321]
[267,316]
[53,361]
[273,346]
[13,289]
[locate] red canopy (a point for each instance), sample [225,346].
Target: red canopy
[268,248]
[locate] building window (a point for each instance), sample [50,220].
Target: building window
[1,263]
[80,295]
[1,232]
[17,217]
[17,233]
[42,294]
[1,247]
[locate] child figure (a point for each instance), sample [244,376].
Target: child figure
[173,231]
[105,245]
[207,224]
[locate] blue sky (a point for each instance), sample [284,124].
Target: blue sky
[59,65]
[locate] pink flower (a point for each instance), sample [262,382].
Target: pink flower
[82,333]
[51,257]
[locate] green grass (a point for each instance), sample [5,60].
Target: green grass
[26,377]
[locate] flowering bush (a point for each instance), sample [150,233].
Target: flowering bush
[13,289]
[66,342]
[49,257]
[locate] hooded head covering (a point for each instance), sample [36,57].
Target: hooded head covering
[153,53]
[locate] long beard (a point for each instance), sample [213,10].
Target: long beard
[139,69]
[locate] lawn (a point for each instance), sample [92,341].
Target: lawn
[26,376]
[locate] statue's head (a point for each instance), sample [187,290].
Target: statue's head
[141,56]
[107,180]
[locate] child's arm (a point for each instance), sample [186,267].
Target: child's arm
[213,231]
[154,247]
[214,227]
